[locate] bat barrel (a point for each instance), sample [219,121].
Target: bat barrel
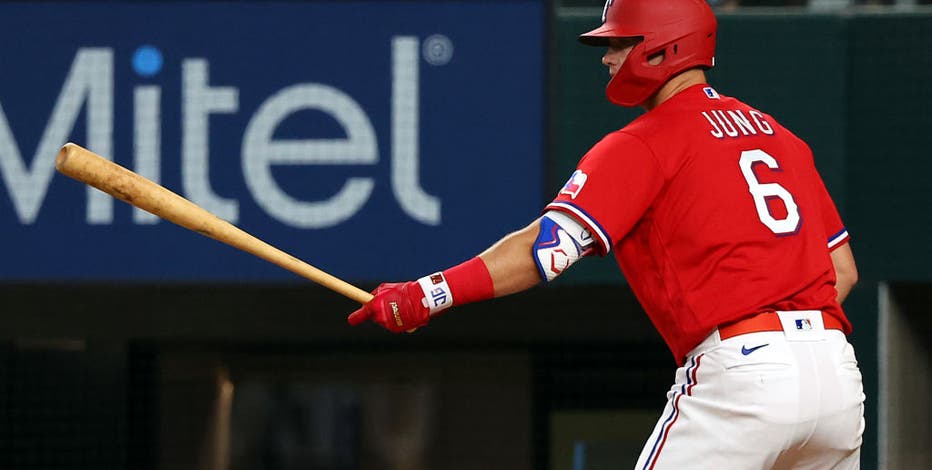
[125,185]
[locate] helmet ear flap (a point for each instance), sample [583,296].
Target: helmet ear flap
[635,80]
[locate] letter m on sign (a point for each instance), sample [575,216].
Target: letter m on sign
[90,82]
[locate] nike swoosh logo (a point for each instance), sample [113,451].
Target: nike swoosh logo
[746,351]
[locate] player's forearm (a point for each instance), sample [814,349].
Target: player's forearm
[505,268]
[843,290]
[846,271]
[511,263]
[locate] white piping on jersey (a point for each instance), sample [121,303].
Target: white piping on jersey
[840,237]
[593,226]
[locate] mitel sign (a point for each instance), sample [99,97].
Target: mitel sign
[372,155]
[89,85]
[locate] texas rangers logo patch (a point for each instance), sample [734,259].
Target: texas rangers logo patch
[575,184]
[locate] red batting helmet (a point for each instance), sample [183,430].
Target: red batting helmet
[682,30]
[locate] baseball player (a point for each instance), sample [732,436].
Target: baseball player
[724,230]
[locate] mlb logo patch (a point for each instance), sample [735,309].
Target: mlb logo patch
[711,93]
[803,324]
[575,184]
[436,278]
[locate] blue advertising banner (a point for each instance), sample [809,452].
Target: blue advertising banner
[375,140]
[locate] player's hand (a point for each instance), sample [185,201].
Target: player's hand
[397,307]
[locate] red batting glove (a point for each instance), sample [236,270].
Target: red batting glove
[408,306]
[397,307]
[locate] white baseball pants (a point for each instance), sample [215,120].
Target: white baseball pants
[769,400]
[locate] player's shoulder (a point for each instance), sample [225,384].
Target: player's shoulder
[619,144]
[731,114]
[734,103]
[763,116]
[625,138]
[763,121]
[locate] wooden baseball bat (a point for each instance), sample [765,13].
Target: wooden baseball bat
[125,185]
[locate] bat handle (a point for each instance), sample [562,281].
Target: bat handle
[362,296]
[340,286]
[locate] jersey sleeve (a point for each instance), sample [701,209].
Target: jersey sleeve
[834,229]
[835,232]
[612,187]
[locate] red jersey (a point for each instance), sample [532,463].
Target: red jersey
[715,212]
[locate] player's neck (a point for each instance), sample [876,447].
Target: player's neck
[675,85]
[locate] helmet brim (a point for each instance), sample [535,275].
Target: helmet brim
[598,37]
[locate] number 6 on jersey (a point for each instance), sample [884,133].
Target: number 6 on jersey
[762,191]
